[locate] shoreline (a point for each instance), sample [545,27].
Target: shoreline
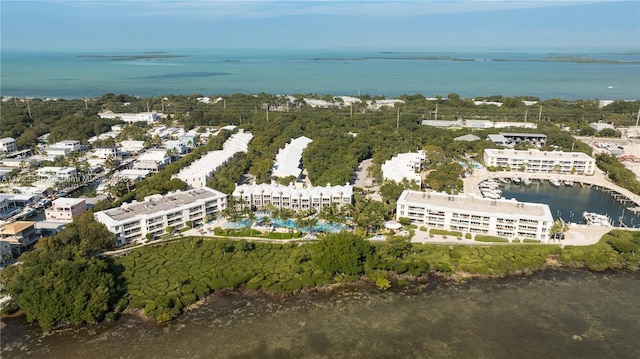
[431,281]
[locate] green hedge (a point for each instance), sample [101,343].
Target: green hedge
[490,239]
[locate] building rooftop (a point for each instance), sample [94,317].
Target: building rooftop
[482,206]
[403,166]
[534,154]
[288,159]
[14,228]
[293,192]
[519,134]
[467,137]
[157,203]
[67,201]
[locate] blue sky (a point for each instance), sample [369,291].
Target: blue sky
[110,25]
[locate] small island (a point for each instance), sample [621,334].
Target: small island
[144,56]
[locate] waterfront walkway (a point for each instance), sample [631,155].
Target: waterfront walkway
[577,235]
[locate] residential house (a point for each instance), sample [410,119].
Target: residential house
[65,209]
[21,235]
[57,174]
[153,160]
[8,145]
[107,152]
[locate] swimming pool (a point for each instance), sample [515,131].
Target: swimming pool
[328,227]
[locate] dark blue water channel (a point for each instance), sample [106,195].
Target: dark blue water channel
[569,202]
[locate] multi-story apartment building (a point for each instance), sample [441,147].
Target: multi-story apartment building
[535,161]
[137,221]
[290,197]
[469,214]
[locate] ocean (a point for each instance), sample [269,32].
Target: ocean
[603,74]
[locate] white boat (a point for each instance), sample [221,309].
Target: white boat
[515,179]
[526,181]
[568,183]
[490,184]
[25,213]
[554,182]
[491,193]
[596,219]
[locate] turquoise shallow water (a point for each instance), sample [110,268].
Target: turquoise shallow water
[339,72]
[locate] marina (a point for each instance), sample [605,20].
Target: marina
[570,202]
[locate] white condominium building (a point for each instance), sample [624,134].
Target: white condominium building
[404,165]
[465,213]
[148,117]
[296,199]
[535,161]
[132,222]
[288,158]
[200,171]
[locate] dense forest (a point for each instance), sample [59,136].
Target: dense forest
[343,135]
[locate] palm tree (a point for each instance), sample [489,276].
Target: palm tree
[252,217]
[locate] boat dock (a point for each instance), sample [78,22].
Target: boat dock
[598,180]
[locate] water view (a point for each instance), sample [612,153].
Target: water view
[553,314]
[570,202]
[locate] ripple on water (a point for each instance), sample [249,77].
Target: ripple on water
[550,314]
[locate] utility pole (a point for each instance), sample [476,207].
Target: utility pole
[85,104]
[224,104]
[147,106]
[28,107]
[637,120]
[436,112]
[398,119]
[540,114]
[267,113]
[525,115]
[351,112]
[162,100]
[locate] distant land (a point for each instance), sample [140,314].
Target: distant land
[144,56]
[566,58]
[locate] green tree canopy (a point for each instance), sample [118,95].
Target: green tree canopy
[341,253]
